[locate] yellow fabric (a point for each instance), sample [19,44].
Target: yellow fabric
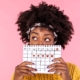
[73,71]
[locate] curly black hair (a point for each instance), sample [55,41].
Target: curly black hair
[48,14]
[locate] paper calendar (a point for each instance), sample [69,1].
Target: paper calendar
[41,55]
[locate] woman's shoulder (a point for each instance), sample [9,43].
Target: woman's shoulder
[74,70]
[70,64]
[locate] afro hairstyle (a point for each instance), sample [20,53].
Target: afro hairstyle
[48,14]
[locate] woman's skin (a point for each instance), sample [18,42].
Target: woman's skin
[42,36]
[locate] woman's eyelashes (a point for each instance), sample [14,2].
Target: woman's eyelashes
[45,39]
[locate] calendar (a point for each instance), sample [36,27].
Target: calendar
[41,56]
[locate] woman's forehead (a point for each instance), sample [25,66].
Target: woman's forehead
[41,29]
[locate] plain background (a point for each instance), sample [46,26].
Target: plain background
[10,43]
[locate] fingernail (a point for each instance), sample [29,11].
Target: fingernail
[47,66]
[36,69]
[32,63]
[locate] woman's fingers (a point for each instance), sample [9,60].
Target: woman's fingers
[23,65]
[22,69]
[26,63]
[26,68]
[58,68]
[26,72]
[58,59]
[60,71]
[57,64]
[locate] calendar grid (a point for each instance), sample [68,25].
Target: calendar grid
[41,55]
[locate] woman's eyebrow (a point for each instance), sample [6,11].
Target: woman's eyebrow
[44,34]
[48,34]
[34,33]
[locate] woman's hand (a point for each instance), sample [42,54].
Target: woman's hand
[23,70]
[61,68]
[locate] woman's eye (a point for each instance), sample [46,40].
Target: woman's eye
[47,39]
[34,38]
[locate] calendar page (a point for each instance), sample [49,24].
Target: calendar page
[41,56]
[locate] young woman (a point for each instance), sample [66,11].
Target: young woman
[43,25]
